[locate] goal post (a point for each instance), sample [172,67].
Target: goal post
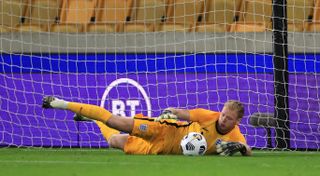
[281,73]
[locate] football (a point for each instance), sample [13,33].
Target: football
[193,144]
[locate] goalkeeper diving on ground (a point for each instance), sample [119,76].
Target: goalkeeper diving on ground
[162,135]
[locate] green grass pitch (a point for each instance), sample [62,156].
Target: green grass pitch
[105,162]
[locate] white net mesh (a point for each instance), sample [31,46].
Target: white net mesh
[141,56]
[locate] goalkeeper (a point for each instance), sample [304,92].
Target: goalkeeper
[162,135]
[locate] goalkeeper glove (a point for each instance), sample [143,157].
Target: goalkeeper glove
[229,148]
[166,114]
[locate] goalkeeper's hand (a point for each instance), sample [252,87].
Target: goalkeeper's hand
[229,148]
[166,114]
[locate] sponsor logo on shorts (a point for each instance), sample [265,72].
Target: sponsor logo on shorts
[143,127]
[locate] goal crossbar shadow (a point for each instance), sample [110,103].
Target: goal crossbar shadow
[265,120]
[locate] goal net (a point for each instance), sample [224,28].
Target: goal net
[141,56]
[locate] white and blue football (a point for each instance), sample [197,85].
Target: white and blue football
[193,144]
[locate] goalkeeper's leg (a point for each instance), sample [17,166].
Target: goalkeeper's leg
[118,141]
[91,111]
[106,131]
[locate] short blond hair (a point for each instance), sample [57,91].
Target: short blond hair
[235,106]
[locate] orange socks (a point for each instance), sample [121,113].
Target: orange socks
[106,131]
[100,115]
[90,111]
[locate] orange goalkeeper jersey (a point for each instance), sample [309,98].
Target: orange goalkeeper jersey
[207,120]
[149,137]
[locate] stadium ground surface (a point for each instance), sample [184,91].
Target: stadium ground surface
[74,162]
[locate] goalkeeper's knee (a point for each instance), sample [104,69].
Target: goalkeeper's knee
[118,141]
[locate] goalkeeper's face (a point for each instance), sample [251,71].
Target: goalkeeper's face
[228,119]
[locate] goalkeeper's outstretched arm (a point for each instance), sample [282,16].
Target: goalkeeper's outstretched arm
[173,113]
[182,114]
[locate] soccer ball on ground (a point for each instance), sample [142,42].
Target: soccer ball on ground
[193,144]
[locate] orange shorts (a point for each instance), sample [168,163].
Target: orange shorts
[149,137]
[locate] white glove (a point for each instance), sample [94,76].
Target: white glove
[166,114]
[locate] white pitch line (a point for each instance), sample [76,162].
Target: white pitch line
[51,162]
[72,162]
[62,150]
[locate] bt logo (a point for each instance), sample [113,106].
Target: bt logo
[130,105]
